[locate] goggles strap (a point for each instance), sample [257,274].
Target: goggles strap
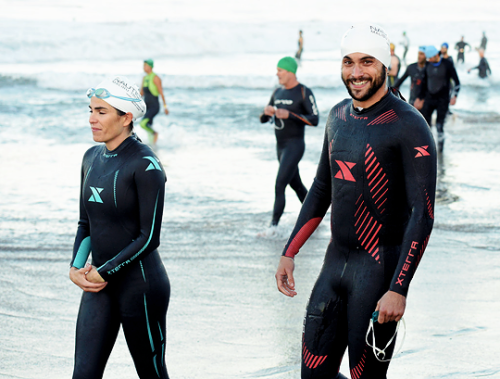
[380,353]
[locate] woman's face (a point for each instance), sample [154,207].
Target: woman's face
[107,126]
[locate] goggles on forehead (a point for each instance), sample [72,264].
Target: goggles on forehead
[103,93]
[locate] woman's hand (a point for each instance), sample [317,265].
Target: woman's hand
[87,278]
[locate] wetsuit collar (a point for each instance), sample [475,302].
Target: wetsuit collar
[381,102]
[129,140]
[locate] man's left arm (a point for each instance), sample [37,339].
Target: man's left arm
[418,155]
[311,114]
[454,76]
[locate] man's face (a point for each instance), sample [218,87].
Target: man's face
[284,76]
[421,57]
[434,59]
[363,75]
[444,50]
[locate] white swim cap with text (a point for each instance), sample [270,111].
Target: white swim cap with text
[122,87]
[368,39]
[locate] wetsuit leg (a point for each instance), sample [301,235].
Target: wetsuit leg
[96,331]
[153,107]
[430,105]
[362,302]
[290,153]
[325,329]
[143,304]
[442,112]
[339,312]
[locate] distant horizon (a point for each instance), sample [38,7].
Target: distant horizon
[384,11]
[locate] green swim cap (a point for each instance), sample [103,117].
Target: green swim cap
[149,62]
[289,64]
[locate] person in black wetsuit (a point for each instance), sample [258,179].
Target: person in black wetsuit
[483,67]
[436,93]
[291,108]
[484,41]
[416,72]
[121,207]
[378,172]
[444,52]
[460,47]
[151,90]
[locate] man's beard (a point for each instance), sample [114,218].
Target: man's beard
[379,82]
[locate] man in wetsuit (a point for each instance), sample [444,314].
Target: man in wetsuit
[444,52]
[394,68]
[290,108]
[378,172]
[150,89]
[436,93]
[483,67]
[460,46]
[416,72]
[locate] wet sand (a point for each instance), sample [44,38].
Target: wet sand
[226,318]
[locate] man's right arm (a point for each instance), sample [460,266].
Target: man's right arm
[315,206]
[264,117]
[402,79]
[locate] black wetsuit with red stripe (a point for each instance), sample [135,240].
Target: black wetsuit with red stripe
[378,171]
[300,102]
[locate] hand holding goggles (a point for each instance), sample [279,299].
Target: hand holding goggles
[102,93]
[380,353]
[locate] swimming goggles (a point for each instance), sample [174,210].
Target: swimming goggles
[276,122]
[380,353]
[103,93]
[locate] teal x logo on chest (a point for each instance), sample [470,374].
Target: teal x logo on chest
[96,197]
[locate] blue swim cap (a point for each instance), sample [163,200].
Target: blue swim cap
[430,51]
[445,44]
[422,49]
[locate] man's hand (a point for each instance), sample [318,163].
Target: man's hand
[453,100]
[81,279]
[166,109]
[269,110]
[284,277]
[391,307]
[419,103]
[282,113]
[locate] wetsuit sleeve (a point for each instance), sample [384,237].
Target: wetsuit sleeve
[150,180]
[263,117]
[315,206]
[422,91]
[402,79]
[82,247]
[310,116]
[454,76]
[418,154]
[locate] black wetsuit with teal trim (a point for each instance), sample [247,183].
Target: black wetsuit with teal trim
[378,172]
[300,102]
[121,208]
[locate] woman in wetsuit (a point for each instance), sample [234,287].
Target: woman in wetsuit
[291,108]
[121,207]
[150,90]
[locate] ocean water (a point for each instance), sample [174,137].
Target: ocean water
[217,62]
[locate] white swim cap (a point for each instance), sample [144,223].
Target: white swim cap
[120,89]
[367,39]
